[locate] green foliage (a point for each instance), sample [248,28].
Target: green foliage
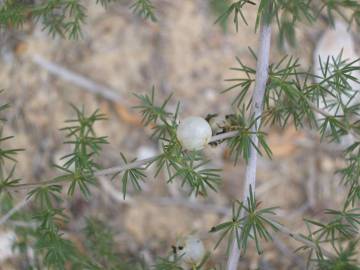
[80,166]
[341,8]
[59,17]
[241,144]
[351,173]
[151,112]
[63,17]
[144,8]
[7,154]
[104,3]
[195,175]
[189,166]
[291,96]
[249,221]
[134,175]
[342,229]
[8,182]
[219,8]
[50,243]
[342,225]
[234,9]
[244,83]
[78,170]
[45,196]
[346,259]
[13,13]
[287,14]
[58,250]
[3,107]
[99,240]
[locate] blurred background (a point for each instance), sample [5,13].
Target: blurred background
[183,53]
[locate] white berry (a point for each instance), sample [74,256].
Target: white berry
[194,133]
[191,250]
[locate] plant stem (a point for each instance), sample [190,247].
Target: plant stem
[324,113]
[304,240]
[78,80]
[262,73]
[131,165]
[13,210]
[100,173]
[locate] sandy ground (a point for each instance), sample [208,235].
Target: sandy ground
[183,53]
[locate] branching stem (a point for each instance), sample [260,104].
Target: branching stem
[131,165]
[13,210]
[262,73]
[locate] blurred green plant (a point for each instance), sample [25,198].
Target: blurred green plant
[290,96]
[59,17]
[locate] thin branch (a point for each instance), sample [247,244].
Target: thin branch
[113,170]
[328,115]
[145,161]
[13,210]
[123,167]
[288,253]
[135,164]
[79,80]
[303,240]
[262,73]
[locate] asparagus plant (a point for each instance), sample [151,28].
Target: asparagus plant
[283,94]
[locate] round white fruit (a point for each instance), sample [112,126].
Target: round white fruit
[194,133]
[192,250]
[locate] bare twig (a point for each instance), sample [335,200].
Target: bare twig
[13,210]
[79,80]
[284,249]
[262,74]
